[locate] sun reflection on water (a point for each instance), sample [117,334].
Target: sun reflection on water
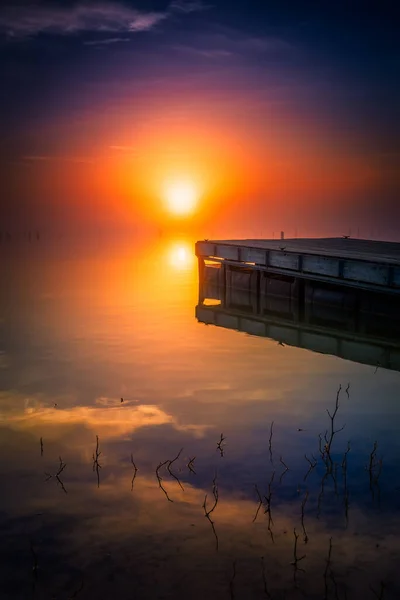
[181,256]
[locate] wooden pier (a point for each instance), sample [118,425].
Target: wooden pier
[336,296]
[364,264]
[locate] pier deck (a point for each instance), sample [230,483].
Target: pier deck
[365,264]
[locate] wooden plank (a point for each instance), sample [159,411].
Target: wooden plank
[283,260]
[253,327]
[321,265]
[228,252]
[366,272]
[253,255]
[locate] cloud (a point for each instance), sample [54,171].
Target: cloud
[22,21]
[213,53]
[106,41]
[108,417]
[123,148]
[46,158]
[188,6]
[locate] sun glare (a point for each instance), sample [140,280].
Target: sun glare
[180,256]
[181,197]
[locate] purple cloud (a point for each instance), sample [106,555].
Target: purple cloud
[22,21]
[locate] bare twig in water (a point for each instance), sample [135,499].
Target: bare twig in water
[381,593]
[78,590]
[162,464]
[312,464]
[348,390]
[134,472]
[332,576]
[259,503]
[207,513]
[220,445]
[57,475]
[296,559]
[378,364]
[41,446]
[327,568]
[267,510]
[344,461]
[332,418]
[269,496]
[346,490]
[96,464]
[303,504]
[270,440]
[285,471]
[372,457]
[169,463]
[374,469]
[34,568]
[190,465]
[35,561]
[321,493]
[232,580]
[60,470]
[264,578]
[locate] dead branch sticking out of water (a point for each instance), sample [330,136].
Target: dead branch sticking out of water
[220,445]
[207,513]
[296,559]
[267,510]
[327,568]
[285,471]
[57,475]
[270,441]
[269,496]
[190,465]
[41,446]
[303,504]
[333,431]
[34,568]
[372,457]
[231,589]
[169,463]
[259,502]
[312,464]
[77,591]
[348,390]
[35,561]
[134,472]
[381,594]
[264,578]
[96,464]
[374,470]
[345,486]
[162,464]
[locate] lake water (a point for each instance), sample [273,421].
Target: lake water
[83,328]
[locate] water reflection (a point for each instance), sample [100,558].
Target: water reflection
[355,325]
[181,256]
[82,334]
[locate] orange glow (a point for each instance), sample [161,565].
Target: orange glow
[181,197]
[180,256]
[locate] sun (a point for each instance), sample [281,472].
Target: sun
[181,197]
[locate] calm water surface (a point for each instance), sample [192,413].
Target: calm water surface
[82,328]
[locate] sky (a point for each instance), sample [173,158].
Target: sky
[281,115]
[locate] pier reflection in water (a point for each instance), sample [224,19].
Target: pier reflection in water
[104,369]
[347,322]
